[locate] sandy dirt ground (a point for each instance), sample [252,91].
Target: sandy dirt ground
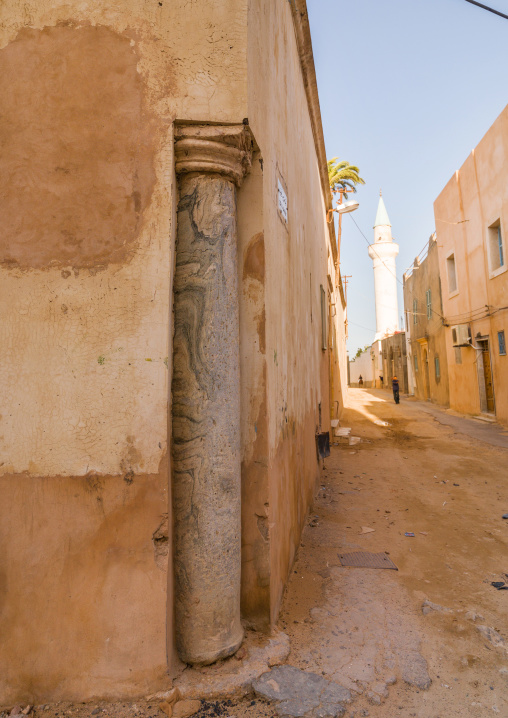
[429,640]
[361,626]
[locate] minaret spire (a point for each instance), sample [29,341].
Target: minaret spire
[383,253]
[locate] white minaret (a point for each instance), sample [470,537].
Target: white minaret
[383,253]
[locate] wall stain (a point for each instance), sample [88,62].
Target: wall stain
[78,146]
[254,262]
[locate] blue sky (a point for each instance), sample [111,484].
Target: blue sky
[407,89]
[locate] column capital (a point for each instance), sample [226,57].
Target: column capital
[214,149]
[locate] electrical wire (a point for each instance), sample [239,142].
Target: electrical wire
[387,267]
[361,326]
[486,7]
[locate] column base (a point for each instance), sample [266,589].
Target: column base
[207,657]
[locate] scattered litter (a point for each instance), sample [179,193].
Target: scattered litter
[505,516]
[424,533]
[409,534]
[365,559]
[500,585]
[342,431]
[354,440]
[456,484]
[367,530]
[444,503]
[334,423]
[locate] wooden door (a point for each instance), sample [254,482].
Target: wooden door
[487,372]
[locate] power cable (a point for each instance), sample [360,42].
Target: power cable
[361,326]
[486,7]
[387,267]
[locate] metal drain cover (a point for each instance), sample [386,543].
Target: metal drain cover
[364,559]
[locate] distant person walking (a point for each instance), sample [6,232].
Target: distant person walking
[395,387]
[360,380]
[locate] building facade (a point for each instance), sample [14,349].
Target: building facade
[471,215]
[170,323]
[392,352]
[425,330]
[361,366]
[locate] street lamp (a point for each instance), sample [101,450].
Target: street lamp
[346,207]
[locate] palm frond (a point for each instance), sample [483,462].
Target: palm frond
[342,175]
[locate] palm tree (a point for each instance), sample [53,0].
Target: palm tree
[343,177]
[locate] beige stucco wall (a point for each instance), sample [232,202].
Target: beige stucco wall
[394,358]
[297,370]
[478,193]
[427,337]
[86,252]
[361,365]
[86,260]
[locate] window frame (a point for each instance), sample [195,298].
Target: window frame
[415,311]
[451,262]
[437,369]
[428,300]
[496,249]
[501,344]
[324,318]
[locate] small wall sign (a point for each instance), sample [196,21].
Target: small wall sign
[282,201]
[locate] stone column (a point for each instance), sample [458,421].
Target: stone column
[210,163]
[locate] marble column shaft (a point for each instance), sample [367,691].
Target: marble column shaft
[210,162]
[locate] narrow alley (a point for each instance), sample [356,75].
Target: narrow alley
[438,618]
[429,640]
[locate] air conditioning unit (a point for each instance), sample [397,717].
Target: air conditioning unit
[461,336]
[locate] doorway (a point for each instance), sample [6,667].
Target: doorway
[427,376]
[485,382]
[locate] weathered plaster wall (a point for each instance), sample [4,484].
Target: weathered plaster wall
[296,257]
[254,419]
[361,365]
[394,357]
[478,193]
[90,92]
[82,597]
[430,332]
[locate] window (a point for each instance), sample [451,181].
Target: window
[502,343]
[458,355]
[428,299]
[452,274]
[416,364]
[496,253]
[324,333]
[415,311]
[437,368]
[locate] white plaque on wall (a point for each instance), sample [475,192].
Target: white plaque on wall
[282,201]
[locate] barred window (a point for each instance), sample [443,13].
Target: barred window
[502,343]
